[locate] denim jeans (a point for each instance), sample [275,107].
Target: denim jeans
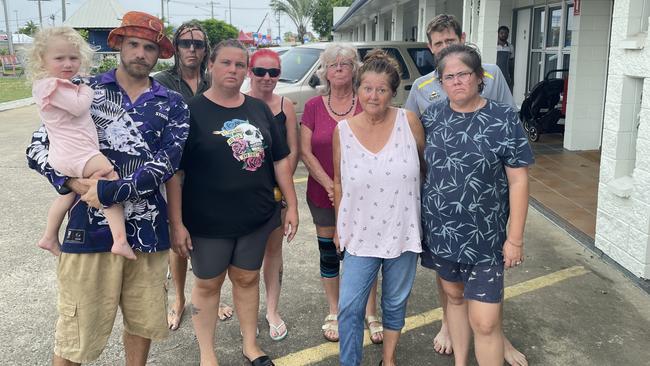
[359,273]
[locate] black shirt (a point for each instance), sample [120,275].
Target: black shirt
[228,163]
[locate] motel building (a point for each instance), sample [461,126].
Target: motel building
[604,44]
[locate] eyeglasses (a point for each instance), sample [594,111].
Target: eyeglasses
[342,64]
[462,76]
[260,72]
[187,43]
[380,91]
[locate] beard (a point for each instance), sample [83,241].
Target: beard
[137,69]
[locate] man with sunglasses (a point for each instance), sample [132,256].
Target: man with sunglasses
[443,31]
[187,77]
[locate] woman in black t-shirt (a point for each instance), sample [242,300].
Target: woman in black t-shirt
[234,156]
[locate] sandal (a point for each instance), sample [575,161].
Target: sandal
[329,326]
[375,329]
[276,329]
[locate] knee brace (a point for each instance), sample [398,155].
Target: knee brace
[329,258]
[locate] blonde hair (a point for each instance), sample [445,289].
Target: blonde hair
[35,56]
[332,52]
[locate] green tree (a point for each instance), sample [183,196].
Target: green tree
[83,33]
[29,29]
[299,11]
[218,30]
[289,37]
[323,16]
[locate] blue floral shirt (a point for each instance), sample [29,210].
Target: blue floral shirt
[144,140]
[465,204]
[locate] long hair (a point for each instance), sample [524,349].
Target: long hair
[35,56]
[188,27]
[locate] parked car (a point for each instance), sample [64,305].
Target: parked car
[299,64]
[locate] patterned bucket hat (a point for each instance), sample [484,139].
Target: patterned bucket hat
[145,26]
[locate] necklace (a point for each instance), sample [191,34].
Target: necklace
[329,104]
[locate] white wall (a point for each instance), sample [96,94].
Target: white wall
[623,218]
[587,76]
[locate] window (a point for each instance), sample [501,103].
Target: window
[423,60]
[395,54]
[568,25]
[538,28]
[535,67]
[297,62]
[553,29]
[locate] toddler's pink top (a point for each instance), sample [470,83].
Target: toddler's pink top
[318,120]
[379,213]
[64,108]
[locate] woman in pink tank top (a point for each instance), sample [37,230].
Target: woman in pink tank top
[377,172]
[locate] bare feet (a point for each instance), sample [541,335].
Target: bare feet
[51,244]
[225,312]
[175,315]
[123,249]
[442,341]
[512,356]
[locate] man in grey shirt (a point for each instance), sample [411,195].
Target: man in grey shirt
[442,32]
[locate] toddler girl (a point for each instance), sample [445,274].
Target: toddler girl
[56,56]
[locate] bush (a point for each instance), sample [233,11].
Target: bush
[162,66]
[107,63]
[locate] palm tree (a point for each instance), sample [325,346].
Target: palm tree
[299,11]
[29,29]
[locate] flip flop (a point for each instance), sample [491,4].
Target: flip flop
[328,326]
[176,319]
[223,316]
[374,329]
[276,329]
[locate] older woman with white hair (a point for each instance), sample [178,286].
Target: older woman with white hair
[339,65]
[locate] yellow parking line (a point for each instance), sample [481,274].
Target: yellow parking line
[300,180]
[329,349]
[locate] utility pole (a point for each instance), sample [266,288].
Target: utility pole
[229,13]
[212,4]
[40,13]
[279,34]
[10,40]
[63,17]
[162,10]
[17,26]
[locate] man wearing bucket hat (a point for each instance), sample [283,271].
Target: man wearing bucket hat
[142,128]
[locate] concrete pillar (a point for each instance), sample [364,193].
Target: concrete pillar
[623,217]
[488,24]
[426,12]
[470,20]
[587,76]
[381,27]
[397,33]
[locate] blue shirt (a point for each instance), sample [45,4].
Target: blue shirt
[144,140]
[465,205]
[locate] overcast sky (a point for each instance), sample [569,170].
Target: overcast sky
[246,14]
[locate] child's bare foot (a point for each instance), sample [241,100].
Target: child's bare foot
[442,341]
[225,312]
[512,356]
[123,249]
[50,243]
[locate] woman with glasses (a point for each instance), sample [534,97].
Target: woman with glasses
[377,157]
[264,72]
[234,156]
[477,158]
[338,101]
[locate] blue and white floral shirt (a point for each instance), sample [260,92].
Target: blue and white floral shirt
[144,140]
[465,205]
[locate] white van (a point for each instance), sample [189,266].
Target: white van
[298,80]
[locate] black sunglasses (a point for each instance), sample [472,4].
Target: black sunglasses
[187,43]
[260,72]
